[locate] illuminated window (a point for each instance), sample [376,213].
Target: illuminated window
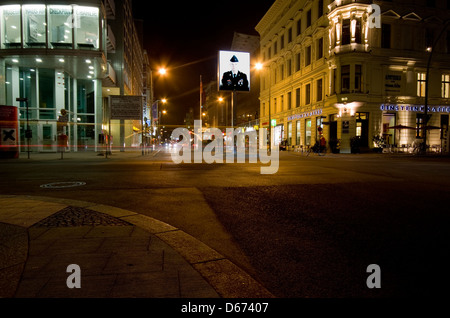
[11,27]
[445,85]
[87,34]
[61,24]
[308,132]
[34,25]
[289,133]
[298,132]
[358,128]
[421,81]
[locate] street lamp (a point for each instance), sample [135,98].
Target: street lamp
[28,133]
[162,71]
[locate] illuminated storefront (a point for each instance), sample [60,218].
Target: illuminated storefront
[354,74]
[54,57]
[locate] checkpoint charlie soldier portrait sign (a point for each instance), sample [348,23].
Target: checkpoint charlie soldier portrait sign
[234,71]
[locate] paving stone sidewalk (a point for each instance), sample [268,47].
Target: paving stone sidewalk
[120,254]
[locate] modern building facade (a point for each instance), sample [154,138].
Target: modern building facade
[65,59]
[352,71]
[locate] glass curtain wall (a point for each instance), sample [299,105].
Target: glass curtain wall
[65,25]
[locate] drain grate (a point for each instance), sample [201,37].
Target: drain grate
[72,216]
[62,185]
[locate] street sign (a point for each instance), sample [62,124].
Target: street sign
[126,107]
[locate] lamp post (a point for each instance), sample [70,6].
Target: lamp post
[159,113]
[425,119]
[260,66]
[28,133]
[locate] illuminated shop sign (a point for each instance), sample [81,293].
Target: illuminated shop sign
[306,114]
[415,108]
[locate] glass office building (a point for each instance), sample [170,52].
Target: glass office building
[54,55]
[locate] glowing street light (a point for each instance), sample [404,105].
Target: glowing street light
[162,71]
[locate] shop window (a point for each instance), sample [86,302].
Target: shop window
[345,78]
[421,81]
[87,34]
[308,132]
[11,27]
[47,94]
[298,132]
[34,26]
[289,133]
[60,27]
[445,86]
[27,89]
[86,97]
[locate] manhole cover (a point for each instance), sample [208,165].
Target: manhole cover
[61,185]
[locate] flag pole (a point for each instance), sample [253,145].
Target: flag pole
[201,89]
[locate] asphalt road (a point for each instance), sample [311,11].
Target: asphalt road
[310,230]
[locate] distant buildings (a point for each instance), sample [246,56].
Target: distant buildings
[67,57]
[331,70]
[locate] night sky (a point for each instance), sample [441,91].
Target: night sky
[185,37]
